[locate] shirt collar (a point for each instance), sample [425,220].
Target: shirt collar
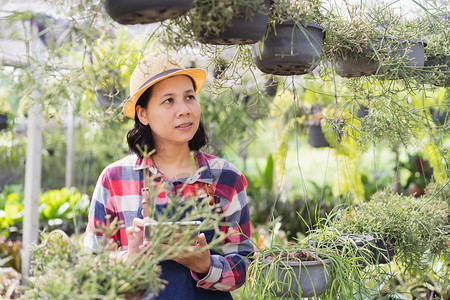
[201,161]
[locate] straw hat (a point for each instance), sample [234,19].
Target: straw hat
[152,69]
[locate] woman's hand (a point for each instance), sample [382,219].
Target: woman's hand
[197,258]
[135,236]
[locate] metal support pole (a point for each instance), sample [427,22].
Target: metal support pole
[32,184]
[70,151]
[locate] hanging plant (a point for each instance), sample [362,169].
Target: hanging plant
[417,227]
[353,42]
[374,41]
[293,272]
[437,52]
[225,22]
[108,68]
[129,12]
[293,43]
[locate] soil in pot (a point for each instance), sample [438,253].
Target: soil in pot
[290,49]
[300,275]
[243,29]
[129,12]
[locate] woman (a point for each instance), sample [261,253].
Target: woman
[167,113]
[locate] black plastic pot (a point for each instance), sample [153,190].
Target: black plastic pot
[439,65]
[411,54]
[3,121]
[290,49]
[383,252]
[107,100]
[362,67]
[362,112]
[298,279]
[316,137]
[243,29]
[271,86]
[129,12]
[359,64]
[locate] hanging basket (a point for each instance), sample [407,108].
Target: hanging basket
[412,52]
[316,138]
[383,252]
[107,100]
[295,279]
[439,65]
[243,29]
[411,56]
[360,67]
[351,64]
[270,87]
[3,121]
[289,49]
[130,12]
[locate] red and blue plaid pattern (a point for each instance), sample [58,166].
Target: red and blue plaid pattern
[118,195]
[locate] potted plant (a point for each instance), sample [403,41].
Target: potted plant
[353,43]
[62,268]
[416,227]
[293,43]
[373,41]
[228,22]
[142,12]
[271,86]
[109,66]
[316,138]
[3,121]
[437,52]
[292,271]
[218,22]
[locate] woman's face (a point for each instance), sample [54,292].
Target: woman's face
[173,111]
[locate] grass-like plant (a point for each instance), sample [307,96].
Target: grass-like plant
[64,269]
[418,228]
[297,11]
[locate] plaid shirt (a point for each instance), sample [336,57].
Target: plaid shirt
[118,194]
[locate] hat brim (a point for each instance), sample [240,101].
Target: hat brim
[198,75]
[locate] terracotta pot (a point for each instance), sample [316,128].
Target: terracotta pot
[290,49]
[243,29]
[144,11]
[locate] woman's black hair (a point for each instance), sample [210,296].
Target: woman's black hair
[141,136]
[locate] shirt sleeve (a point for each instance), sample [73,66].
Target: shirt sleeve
[101,214]
[228,271]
